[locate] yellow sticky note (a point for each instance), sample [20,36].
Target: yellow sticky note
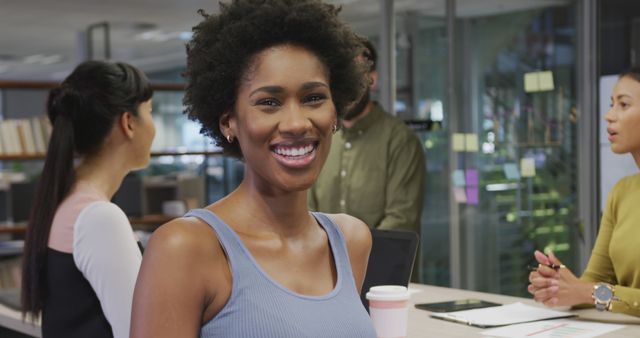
[527,167]
[458,142]
[471,143]
[545,80]
[531,82]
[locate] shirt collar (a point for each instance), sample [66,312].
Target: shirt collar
[366,122]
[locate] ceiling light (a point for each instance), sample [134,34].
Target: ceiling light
[51,59]
[42,59]
[33,58]
[161,36]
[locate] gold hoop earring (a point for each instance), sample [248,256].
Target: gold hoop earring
[229,138]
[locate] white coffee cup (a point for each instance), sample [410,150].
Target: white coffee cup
[389,310]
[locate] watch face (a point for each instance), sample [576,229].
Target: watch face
[603,293]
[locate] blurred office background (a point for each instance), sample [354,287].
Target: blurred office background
[504,94]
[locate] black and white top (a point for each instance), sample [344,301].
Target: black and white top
[92,266]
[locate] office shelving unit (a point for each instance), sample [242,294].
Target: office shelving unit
[33,162]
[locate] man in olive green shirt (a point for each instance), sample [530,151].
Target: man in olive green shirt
[375,169]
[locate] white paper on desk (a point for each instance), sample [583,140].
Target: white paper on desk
[502,315]
[562,328]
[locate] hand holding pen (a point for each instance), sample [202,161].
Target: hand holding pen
[550,262]
[552,266]
[554,284]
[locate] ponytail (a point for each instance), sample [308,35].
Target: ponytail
[83,111]
[55,183]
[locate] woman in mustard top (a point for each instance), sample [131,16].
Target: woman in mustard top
[612,279]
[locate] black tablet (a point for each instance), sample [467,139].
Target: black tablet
[393,253]
[456,305]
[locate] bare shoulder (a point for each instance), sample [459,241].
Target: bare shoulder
[355,231]
[188,250]
[184,269]
[184,237]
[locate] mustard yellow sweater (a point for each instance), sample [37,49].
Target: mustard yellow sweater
[616,255]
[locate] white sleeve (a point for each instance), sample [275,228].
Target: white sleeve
[106,252]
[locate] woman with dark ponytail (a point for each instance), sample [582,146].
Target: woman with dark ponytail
[81,258]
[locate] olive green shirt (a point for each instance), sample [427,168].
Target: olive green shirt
[375,172]
[616,255]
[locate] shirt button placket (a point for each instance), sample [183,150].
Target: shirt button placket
[343,173]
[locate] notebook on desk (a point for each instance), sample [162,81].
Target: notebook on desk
[502,315]
[391,260]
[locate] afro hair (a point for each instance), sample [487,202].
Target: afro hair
[223,46]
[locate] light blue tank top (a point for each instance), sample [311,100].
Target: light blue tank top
[260,307]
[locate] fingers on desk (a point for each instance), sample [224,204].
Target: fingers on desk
[548,296]
[542,282]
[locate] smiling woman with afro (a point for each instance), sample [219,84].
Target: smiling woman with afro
[223,46]
[268,80]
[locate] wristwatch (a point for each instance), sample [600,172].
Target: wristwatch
[603,296]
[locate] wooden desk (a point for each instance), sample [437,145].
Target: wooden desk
[422,325]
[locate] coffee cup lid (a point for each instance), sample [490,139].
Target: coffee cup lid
[388,292]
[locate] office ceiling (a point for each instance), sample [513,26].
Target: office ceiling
[43,39]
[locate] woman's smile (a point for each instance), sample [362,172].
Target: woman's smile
[295,155]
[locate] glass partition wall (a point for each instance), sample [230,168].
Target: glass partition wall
[497,113]
[517,97]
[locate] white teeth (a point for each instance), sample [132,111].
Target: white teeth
[294,151]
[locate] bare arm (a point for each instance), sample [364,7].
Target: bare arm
[174,287]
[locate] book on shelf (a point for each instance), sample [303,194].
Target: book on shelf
[47,129]
[16,145]
[6,133]
[38,135]
[22,138]
[27,141]
[27,136]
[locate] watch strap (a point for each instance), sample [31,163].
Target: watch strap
[600,306]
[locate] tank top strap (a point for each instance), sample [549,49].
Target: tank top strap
[339,247]
[228,239]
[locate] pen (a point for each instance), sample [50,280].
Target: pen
[553,266]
